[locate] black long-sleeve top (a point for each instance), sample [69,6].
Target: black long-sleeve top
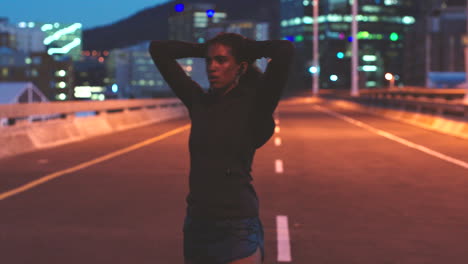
[226,129]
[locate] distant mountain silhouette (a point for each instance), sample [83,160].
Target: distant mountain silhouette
[152,23]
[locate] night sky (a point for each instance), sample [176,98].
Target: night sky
[90,13]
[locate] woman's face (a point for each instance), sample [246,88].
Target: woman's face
[222,68]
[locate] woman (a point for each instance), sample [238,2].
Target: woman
[229,122]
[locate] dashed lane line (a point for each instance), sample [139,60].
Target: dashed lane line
[277,141]
[282,236]
[279,166]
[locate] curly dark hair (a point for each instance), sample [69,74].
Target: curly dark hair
[237,43]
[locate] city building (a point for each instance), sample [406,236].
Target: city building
[383,25]
[25,37]
[62,40]
[53,78]
[134,73]
[189,22]
[94,76]
[57,39]
[435,47]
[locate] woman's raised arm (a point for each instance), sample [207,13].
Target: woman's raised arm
[281,54]
[164,55]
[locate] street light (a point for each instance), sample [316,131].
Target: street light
[389,77]
[355,56]
[466,56]
[315,62]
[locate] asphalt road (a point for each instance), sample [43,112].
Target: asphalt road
[350,195]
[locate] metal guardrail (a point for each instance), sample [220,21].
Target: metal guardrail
[10,113]
[66,108]
[415,92]
[443,102]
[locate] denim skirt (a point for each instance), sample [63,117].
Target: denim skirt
[221,241]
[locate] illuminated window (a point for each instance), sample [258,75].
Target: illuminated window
[5,72]
[369,58]
[28,60]
[408,20]
[391,2]
[201,25]
[61,85]
[61,73]
[61,96]
[369,68]
[307,20]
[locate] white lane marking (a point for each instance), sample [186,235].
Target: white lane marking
[277,129]
[279,166]
[84,165]
[282,236]
[277,141]
[395,138]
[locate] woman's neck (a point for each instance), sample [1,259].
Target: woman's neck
[223,91]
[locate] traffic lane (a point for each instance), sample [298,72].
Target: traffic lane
[19,170]
[126,210]
[449,145]
[356,197]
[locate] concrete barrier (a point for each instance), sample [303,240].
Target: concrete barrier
[427,121]
[25,137]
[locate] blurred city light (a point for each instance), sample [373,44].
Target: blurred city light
[369,58]
[388,76]
[115,88]
[333,78]
[394,36]
[179,8]
[210,12]
[313,70]
[290,38]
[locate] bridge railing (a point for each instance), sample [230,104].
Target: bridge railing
[29,127]
[11,114]
[441,102]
